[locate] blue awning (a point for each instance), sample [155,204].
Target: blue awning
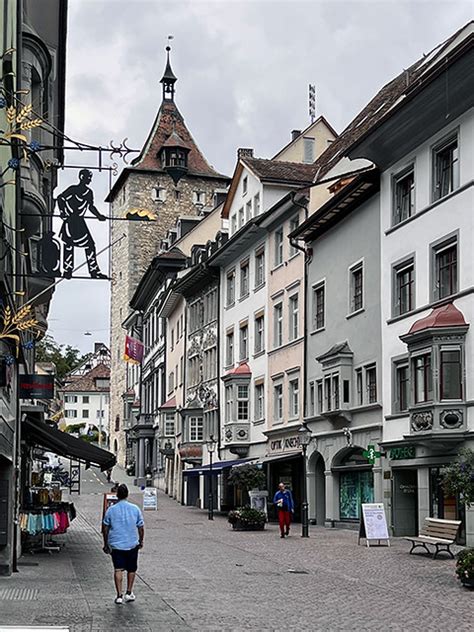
[216,467]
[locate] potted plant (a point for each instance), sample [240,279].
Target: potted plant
[247,519]
[465,567]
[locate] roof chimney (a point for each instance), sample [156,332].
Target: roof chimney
[294,134]
[244,152]
[98,346]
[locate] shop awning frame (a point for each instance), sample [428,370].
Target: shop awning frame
[216,467]
[39,433]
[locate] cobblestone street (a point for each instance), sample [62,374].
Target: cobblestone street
[200,575]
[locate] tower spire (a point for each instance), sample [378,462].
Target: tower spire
[169,79]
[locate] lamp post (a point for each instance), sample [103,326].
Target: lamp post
[305,437]
[211,446]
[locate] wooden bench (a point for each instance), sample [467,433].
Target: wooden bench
[439,533]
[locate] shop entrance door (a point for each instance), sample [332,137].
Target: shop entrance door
[192,491]
[405,502]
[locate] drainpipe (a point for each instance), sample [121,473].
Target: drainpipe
[218,385]
[307,260]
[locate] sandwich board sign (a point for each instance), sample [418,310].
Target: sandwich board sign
[373,524]
[150,499]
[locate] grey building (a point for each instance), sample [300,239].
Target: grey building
[200,288]
[343,351]
[33,56]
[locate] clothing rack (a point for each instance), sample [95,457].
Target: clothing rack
[47,543]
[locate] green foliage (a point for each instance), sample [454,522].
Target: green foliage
[75,428]
[248,517]
[65,357]
[465,564]
[247,477]
[458,477]
[94,437]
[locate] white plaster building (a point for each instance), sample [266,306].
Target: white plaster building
[86,400]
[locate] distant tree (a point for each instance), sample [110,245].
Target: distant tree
[65,357]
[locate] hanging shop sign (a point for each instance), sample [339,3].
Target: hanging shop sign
[33,386]
[371,454]
[407,452]
[373,524]
[133,350]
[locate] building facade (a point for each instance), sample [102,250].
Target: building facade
[33,56]
[343,352]
[427,279]
[402,185]
[85,403]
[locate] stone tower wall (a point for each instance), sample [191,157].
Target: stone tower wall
[130,258]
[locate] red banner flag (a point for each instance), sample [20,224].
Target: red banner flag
[133,350]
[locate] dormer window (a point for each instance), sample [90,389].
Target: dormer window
[174,156]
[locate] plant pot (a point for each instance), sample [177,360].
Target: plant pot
[468,582]
[239,526]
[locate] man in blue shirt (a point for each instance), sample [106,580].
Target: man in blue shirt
[283,500]
[123,532]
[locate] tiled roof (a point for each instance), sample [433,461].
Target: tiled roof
[171,403]
[378,107]
[280,171]
[86,382]
[168,122]
[445,316]
[242,369]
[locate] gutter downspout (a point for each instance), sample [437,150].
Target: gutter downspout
[307,261]
[218,386]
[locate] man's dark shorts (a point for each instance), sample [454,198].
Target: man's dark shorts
[125,560]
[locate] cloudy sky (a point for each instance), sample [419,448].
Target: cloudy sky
[243,69]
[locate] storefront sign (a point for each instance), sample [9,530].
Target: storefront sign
[371,454]
[373,523]
[150,499]
[285,444]
[407,452]
[36,386]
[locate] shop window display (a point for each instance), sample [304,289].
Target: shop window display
[355,488]
[356,484]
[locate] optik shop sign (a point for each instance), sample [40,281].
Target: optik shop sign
[285,444]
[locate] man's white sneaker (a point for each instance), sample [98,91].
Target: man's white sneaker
[129,597]
[119,599]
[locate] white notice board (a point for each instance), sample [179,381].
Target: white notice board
[150,499]
[373,523]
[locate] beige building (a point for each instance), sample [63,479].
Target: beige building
[305,146]
[170,177]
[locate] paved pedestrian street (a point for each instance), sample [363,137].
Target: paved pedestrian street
[200,575]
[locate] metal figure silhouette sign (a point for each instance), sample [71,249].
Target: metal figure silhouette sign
[73,204]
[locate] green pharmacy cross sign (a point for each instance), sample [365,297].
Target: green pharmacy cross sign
[371,454]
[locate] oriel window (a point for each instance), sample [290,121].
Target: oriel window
[451,374]
[423,378]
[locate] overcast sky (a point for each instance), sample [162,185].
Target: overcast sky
[243,69]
